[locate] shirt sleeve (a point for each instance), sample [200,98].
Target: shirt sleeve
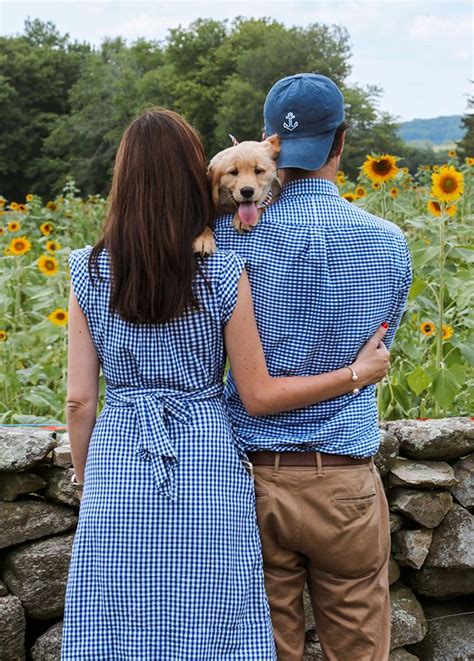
[228,285]
[401,296]
[79,269]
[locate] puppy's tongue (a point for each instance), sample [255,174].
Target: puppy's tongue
[248,213]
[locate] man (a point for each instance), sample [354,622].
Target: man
[324,276]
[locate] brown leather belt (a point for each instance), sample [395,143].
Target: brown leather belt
[266,458]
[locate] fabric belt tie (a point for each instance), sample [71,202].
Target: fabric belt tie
[152,408]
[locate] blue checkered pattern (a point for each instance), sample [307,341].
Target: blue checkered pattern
[166,563]
[324,275]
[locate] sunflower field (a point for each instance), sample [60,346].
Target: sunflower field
[432,372]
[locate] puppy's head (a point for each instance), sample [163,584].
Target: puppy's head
[242,176]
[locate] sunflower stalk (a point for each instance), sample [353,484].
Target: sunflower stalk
[440,297]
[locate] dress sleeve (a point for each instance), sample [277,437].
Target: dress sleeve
[79,269]
[228,285]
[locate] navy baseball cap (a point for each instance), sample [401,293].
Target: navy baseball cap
[304,110]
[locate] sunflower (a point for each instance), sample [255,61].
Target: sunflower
[394,192]
[350,197]
[2,201]
[469,161]
[360,191]
[376,185]
[405,170]
[2,231]
[452,153]
[46,228]
[13,226]
[448,184]
[52,246]
[380,168]
[51,206]
[58,317]
[428,328]
[434,208]
[13,206]
[29,197]
[3,336]
[447,331]
[48,265]
[22,208]
[19,246]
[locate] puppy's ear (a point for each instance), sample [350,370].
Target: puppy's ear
[274,144]
[213,175]
[276,188]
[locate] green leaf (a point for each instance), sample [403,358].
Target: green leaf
[466,349]
[402,398]
[445,388]
[416,288]
[418,380]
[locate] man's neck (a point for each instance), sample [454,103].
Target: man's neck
[329,172]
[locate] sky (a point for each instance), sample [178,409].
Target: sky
[421,53]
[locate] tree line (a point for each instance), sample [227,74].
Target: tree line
[64,105]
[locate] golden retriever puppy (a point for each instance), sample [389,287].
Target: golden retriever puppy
[243,180]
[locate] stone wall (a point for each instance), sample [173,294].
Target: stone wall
[427,468]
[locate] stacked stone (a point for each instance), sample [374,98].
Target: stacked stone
[38,515]
[427,468]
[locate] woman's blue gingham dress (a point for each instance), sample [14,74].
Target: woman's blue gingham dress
[166,563]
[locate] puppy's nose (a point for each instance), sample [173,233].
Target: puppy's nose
[246,191]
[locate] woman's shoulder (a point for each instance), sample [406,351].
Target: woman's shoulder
[79,261]
[224,261]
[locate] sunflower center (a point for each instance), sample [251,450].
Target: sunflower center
[383,166]
[19,245]
[449,185]
[60,316]
[49,265]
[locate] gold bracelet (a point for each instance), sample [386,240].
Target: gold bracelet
[354,377]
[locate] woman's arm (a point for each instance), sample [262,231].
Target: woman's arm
[262,394]
[82,386]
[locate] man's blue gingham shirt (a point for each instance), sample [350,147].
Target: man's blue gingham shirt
[324,275]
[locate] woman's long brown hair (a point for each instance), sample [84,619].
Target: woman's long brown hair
[159,203]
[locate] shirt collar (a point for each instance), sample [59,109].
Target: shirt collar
[309,187]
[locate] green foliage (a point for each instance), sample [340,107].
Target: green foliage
[466,145]
[36,71]
[65,105]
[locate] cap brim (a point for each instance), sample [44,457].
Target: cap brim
[305,153]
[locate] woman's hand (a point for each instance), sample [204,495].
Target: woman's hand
[373,360]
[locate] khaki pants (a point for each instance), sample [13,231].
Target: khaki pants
[329,529]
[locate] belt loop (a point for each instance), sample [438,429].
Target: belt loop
[319,464]
[276,465]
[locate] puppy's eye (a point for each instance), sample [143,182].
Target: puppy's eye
[234,172]
[259,170]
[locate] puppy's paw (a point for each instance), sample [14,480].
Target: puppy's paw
[205,243]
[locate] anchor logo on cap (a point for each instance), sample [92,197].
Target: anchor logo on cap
[290,126]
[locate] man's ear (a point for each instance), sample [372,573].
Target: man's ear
[340,148]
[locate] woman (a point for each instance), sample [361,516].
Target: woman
[166,562]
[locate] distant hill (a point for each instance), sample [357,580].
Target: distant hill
[438,130]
